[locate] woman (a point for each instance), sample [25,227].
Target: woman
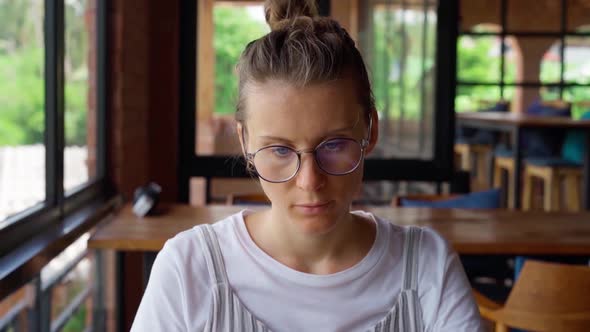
[306,119]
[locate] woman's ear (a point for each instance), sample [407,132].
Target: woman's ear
[240,132]
[374,135]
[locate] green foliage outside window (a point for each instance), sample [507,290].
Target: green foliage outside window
[22,86]
[234,29]
[397,73]
[21,96]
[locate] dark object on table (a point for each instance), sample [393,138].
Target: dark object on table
[146,198]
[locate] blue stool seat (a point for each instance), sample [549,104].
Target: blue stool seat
[551,162]
[489,199]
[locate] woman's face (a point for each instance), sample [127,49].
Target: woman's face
[302,118]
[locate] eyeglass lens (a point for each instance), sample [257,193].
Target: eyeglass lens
[336,156]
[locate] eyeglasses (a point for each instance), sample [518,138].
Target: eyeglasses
[335,156]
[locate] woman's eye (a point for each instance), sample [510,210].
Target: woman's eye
[333,146]
[280,151]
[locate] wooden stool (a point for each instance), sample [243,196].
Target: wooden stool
[506,164]
[552,195]
[467,153]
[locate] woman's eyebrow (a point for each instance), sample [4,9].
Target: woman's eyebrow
[266,138]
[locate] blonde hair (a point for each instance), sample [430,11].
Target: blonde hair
[302,48]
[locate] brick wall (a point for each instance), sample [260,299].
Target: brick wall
[143,107]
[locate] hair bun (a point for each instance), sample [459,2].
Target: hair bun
[279,12]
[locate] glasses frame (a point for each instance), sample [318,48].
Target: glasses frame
[363,145]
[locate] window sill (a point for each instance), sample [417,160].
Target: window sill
[20,265]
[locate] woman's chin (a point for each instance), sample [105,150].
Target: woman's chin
[315,221]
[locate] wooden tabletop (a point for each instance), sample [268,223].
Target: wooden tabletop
[522,119]
[469,231]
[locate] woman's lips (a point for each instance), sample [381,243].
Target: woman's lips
[313,208]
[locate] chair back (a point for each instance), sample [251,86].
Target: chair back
[493,106]
[574,144]
[482,136]
[538,144]
[549,297]
[550,108]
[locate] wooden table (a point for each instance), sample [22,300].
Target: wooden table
[468,231]
[518,123]
[479,232]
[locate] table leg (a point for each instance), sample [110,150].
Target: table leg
[586,174]
[516,132]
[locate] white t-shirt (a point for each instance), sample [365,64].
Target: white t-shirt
[178,295]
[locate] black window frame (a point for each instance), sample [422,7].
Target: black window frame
[560,37]
[438,169]
[34,232]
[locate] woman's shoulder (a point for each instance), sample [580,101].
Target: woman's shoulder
[189,242]
[432,251]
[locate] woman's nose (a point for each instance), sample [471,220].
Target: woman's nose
[310,177]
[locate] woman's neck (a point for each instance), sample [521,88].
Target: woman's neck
[342,247]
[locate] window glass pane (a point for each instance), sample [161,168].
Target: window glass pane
[224,31]
[577,60]
[22,103]
[508,94]
[401,58]
[551,64]
[543,16]
[80,93]
[74,287]
[478,59]
[470,98]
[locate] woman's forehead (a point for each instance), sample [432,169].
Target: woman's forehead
[273,104]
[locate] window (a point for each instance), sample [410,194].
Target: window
[412,80]
[52,122]
[530,53]
[80,106]
[22,100]
[39,94]
[234,24]
[401,61]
